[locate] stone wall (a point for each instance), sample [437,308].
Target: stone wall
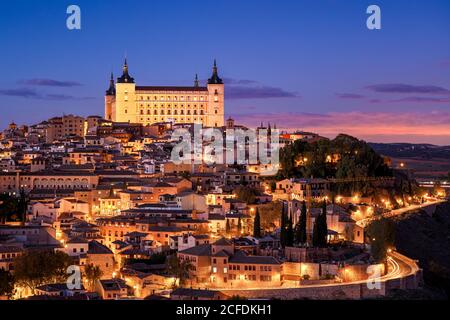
[357,290]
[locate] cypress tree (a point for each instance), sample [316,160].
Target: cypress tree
[290,233]
[283,228]
[315,235]
[322,226]
[257,225]
[228,227]
[239,226]
[300,228]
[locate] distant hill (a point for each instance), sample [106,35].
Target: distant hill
[408,150]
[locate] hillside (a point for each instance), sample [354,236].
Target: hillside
[427,238]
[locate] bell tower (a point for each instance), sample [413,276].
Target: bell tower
[110,98]
[125,110]
[216,93]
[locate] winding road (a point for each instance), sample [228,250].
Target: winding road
[364,222]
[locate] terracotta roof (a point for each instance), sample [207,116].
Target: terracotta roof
[223,242]
[241,257]
[203,250]
[96,247]
[170,88]
[77,240]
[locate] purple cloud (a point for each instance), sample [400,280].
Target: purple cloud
[349,96]
[237,81]
[21,92]
[49,83]
[259,92]
[252,89]
[406,88]
[423,100]
[33,94]
[412,126]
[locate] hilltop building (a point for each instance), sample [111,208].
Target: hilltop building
[127,102]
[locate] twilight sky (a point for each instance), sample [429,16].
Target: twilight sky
[311,65]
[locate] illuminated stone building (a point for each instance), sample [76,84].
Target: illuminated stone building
[127,102]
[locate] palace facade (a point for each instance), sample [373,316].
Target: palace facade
[127,102]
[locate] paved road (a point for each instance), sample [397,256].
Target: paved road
[397,212]
[399,266]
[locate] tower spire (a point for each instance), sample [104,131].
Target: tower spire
[112,88]
[125,78]
[215,79]
[196,84]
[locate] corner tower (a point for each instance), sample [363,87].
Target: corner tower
[216,93]
[110,99]
[125,110]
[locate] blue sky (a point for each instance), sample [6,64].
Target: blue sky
[310,65]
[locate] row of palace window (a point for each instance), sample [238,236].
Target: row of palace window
[250,277]
[175,112]
[169,98]
[169,105]
[250,268]
[163,119]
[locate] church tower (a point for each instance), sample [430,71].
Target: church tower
[125,97]
[110,98]
[216,94]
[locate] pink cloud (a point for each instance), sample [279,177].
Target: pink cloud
[415,127]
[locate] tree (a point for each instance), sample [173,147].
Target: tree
[202,229]
[320,229]
[283,233]
[180,269]
[300,228]
[270,215]
[35,268]
[239,226]
[257,225]
[6,283]
[22,206]
[382,236]
[357,158]
[315,235]
[290,233]
[323,231]
[92,274]
[8,207]
[228,227]
[247,194]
